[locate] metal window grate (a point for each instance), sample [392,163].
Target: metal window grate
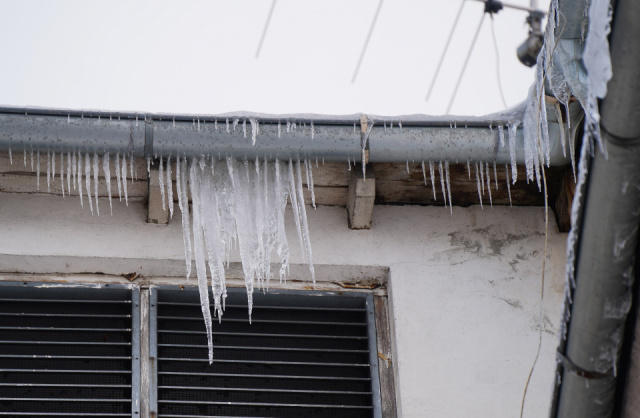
[301,356]
[67,351]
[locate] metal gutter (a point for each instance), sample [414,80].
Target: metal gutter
[605,252]
[332,138]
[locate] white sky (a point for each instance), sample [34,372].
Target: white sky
[199,56]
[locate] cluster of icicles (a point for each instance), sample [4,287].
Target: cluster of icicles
[235,204]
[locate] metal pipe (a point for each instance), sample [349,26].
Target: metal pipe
[609,238]
[333,139]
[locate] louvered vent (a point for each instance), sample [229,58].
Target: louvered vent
[302,356]
[65,352]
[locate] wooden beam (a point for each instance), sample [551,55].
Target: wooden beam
[385,359]
[361,197]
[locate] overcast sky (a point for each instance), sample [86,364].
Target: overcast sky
[200,56]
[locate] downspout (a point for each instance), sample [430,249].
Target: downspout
[420,138]
[608,240]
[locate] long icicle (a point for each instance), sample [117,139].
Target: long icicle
[107,177]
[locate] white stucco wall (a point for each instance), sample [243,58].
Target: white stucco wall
[464,289]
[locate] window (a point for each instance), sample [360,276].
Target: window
[76,351]
[68,351]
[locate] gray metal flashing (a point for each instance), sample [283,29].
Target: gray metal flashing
[250,136]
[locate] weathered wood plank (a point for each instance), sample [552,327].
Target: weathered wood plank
[362,194]
[385,358]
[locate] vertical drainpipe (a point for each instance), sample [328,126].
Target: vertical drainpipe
[609,238]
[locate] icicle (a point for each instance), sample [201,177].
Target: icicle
[228,128]
[74,168]
[400,125]
[107,177]
[32,158]
[254,130]
[215,124]
[123,174]
[148,166]
[482,177]
[161,183]
[433,179]
[478,185]
[170,186]
[349,162]
[235,124]
[563,138]
[69,173]
[313,130]
[444,191]
[48,171]
[87,179]
[174,121]
[38,171]
[513,127]
[117,166]
[198,124]
[294,204]
[305,227]
[96,165]
[53,165]
[244,128]
[469,168]
[78,167]
[199,251]
[501,135]
[310,182]
[424,173]
[10,156]
[448,178]
[489,184]
[62,173]
[279,130]
[131,167]
[495,174]
[408,171]
[506,166]
[24,155]
[183,204]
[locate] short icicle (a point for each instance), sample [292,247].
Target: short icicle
[161,183]
[79,176]
[433,179]
[444,191]
[107,177]
[38,171]
[489,184]
[87,179]
[48,171]
[69,173]
[124,178]
[170,187]
[448,179]
[118,180]
[506,167]
[478,185]
[96,166]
